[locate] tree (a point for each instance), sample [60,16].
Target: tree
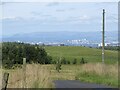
[13,53]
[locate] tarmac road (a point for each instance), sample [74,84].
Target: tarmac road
[76,84]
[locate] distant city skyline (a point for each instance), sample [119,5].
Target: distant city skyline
[56,16]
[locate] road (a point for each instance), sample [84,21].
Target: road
[76,84]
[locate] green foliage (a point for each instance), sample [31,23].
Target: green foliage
[74,61]
[13,53]
[96,78]
[82,61]
[58,66]
[54,62]
[91,55]
[68,62]
[116,48]
[63,61]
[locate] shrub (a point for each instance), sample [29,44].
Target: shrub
[82,61]
[63,61]
[58,66]
[68,62]
[74,61]
[54,62]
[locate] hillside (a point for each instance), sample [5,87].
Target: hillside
[89,54]
[51,36]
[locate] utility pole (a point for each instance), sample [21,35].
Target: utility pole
[103,36]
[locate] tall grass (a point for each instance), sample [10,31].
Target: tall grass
[42,76]
[36,77]
[99,73]
[0,78]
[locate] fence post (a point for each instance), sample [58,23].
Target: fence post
[5,81]
[24,72]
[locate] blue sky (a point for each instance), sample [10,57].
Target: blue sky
[56,16]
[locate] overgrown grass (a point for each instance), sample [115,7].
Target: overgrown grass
[0,78]
[100,74]
[89,54]
[36,77]
[42,76]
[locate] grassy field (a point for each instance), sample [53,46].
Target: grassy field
[37,76]
[89,54]
[41,76]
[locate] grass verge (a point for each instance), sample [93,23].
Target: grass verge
[99,73]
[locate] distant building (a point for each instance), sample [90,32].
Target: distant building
[108,44]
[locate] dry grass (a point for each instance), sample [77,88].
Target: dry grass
[41,76]
[36,77]
[0,78]
[99,73]
[101,69]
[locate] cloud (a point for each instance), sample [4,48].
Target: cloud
[84,17]
[12,19]
[2,3]
[36,13]
[3,18]
[60,10]
[52,4]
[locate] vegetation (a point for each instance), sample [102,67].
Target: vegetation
[63,61]
[74,61]
[99,73]
[40,75]
[37,76]
[13,53]
[116,48]
[58,66]
[90,54]
[82,61]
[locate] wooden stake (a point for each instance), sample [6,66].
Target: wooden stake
[5,81]
[24,72]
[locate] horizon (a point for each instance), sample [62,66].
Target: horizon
[55,32]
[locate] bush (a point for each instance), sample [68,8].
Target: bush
[54,62]
[68,62]
[58,66]
[74,61]
[13,53]
[82,61]
[63,61]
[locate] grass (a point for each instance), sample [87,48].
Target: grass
[106,74]
[89,54]
[42,76]
[0,78]
[100,74]
[36,77]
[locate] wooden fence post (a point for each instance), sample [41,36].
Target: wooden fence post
[5,81]
[24,72]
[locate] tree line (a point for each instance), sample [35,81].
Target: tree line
[13,53]
[116,48]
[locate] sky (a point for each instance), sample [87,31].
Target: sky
[27,17]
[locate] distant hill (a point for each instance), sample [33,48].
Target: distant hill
[60,36]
